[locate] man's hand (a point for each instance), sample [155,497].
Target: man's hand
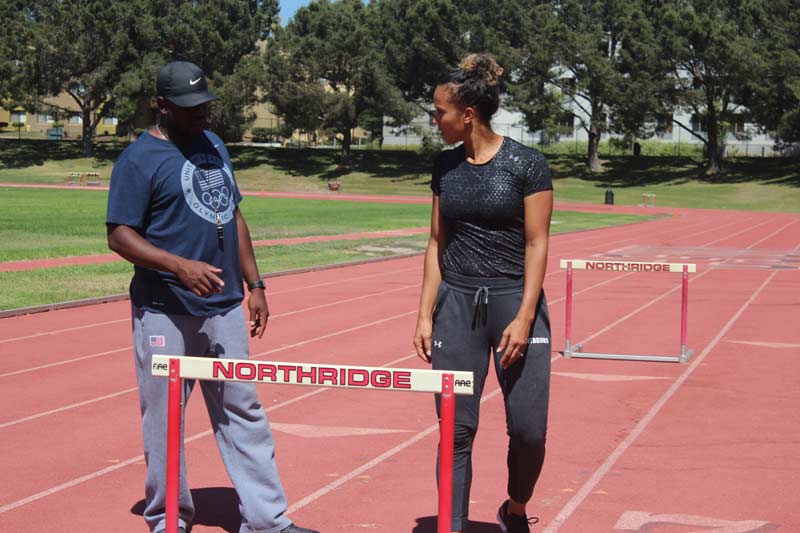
[422,339]
[259,312]
[199,277]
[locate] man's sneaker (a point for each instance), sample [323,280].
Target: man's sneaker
[514,523]
[293,528]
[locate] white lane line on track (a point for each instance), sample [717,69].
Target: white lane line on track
[67,407]
[638,310]
[726,237]
[566,512]
[258,355]
[319,493]
[255,356]
[272,317]
[133,460]
[64,362]
[57,331]
[771,235]
[127,319]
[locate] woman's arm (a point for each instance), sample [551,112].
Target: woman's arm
[431,278]
[538,210]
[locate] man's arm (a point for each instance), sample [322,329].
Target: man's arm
[257,301]
[199,277]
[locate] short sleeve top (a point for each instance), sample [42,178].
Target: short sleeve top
[173,197]
[483,208]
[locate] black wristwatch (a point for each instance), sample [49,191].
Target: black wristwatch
[257,284]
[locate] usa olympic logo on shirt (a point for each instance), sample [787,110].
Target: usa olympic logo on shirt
[207,188]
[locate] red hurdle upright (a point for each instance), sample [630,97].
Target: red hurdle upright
[576,350]
[178,368]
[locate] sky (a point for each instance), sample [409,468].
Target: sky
[288,7]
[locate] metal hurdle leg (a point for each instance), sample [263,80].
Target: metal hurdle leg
[685,354]
[175,395]
[446,437]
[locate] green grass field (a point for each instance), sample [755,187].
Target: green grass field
[48,223]
[752,184]
[42,223]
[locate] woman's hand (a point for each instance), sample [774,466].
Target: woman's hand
[422,338]
[514,342]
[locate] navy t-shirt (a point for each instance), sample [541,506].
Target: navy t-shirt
[171,196]
[483,207]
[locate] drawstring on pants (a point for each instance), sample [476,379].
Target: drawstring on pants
[481,304]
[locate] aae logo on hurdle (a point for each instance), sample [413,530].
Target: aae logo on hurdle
[363,377]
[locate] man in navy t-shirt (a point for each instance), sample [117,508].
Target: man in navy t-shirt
[173,212]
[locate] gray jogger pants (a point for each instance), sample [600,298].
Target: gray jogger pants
[240,425]
[469,318]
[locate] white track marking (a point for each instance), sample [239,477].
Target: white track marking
[66,361]
[67,407]
[58,331]
[256,356]
[139,458]
[272,317]
[566,512]
[636,520]
[769,344]
[606,377]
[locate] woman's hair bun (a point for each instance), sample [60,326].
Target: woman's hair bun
[483,66]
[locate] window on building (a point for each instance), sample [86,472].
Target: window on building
[75,119]
[19,116]
[698,124]
[664,124]
[46,118]
[110,121]
[738,124]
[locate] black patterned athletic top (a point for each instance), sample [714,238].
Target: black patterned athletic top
[483,208]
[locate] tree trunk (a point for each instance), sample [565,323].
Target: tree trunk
[712,148]
[594,144]
[88,134]
[347,139]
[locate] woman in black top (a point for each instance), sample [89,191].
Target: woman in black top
[482,285]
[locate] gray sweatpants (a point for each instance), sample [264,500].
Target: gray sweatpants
[240,425]
[469,318]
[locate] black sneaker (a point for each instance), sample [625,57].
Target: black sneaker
[293,528]
[514,523]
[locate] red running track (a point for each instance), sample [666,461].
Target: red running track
[633,446]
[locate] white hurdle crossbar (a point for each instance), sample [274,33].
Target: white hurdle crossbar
[627,266]
[446,383]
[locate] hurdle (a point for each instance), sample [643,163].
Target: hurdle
[648,199]
[446,383]
[576,351]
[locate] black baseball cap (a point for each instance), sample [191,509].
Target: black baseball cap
[183,84]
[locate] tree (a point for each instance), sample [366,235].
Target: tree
[105,54]
[595,48]
[325,71]
[715,55]
[775,98]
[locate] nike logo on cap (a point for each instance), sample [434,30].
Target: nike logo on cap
[195,82]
